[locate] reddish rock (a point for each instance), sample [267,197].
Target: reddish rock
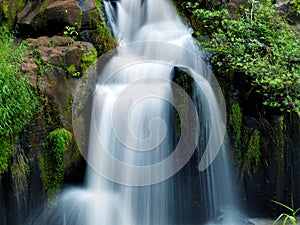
[61,41]
[41,41]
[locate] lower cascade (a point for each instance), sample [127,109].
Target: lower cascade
[155,94]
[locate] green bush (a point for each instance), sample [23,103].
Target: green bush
[18,103]
[260,44]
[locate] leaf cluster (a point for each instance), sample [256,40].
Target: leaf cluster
[258,43]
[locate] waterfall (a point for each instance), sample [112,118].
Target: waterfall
[137,174]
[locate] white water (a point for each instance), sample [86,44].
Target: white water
[143,132]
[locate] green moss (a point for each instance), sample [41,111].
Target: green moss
[19,171]
[103,40]
[21,4]
[246,142]
[184,80]
[43,67]
[52,162]
[236,124]
[88,59]
[253,152]
[79,20]
[98,4]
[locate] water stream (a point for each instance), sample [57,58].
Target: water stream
[133,119]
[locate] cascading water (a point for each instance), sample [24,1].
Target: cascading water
[133,121]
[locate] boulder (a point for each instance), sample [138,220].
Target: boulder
[56,16]
[57,54]
[51,17]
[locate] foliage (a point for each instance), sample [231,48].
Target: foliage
[19,171]
[296,4]
[253,152]
[246,142]
[18,103]
[5,152]
[258,43]
[285,216]
[71,32]
[103,40]
[52,161]
[9,10]
[88,59]
[43,67]
[235,121]
[98,4]
[72,70]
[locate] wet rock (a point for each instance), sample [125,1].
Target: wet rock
[231,216]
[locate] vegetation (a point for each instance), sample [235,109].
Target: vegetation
[71,32]
[52,161]
[287,217]
[103,40]
[19,171]
[246,142]
[18,103]
[258,43]
[88,59]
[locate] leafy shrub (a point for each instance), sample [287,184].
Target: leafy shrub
[260,44]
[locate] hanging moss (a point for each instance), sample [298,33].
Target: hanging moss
[19,171]
[280,158]
[253,152]
[184,80]
[236,123]
[246,142]
[52,162]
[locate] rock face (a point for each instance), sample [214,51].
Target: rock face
[55,55]
[49,17]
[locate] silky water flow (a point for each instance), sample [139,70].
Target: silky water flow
[141,129]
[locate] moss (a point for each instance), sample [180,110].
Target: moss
[280,157]
[52,162]
[21,4]
[40,21]
[88,59]
[253,152]
[79,20]
[19,171]
[246,142]
[236,124]
[98,4]
[184,80]
[103,39]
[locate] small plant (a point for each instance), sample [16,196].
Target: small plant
[286,216]
[71,32]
